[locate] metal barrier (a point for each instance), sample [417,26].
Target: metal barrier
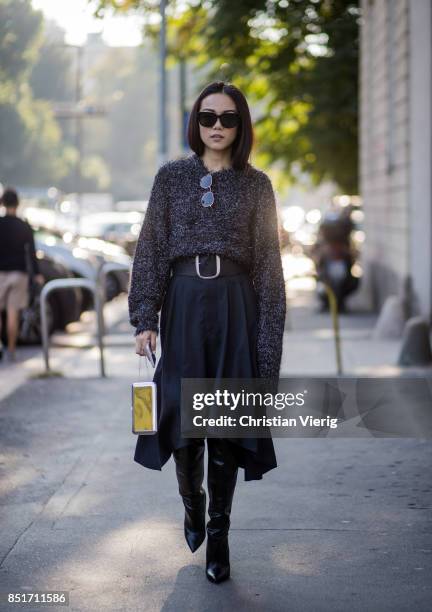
[97,287]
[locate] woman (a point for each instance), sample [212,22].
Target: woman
[208,256]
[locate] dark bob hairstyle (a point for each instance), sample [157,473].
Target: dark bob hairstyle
[243,143]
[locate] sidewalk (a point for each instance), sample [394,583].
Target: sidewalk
[309,347]
[340,524]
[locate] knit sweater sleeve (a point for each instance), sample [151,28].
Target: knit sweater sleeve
[269,284]
[151,267]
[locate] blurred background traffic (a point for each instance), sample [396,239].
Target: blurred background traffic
[95,94]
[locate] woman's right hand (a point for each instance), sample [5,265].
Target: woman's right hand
[142,339]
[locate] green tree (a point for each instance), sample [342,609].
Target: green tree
[31,148]
[124,80]
[297,62]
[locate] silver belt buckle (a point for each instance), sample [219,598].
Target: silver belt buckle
[197,264]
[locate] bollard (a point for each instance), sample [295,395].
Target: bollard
[391,319]
[416,347]
[335,320]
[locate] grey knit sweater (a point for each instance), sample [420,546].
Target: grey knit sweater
[242,224]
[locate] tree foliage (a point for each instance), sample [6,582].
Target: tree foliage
[31,148]
[124,78]
[295,60]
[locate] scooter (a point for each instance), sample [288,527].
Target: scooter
[334,257]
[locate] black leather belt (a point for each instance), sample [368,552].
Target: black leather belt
[207,266]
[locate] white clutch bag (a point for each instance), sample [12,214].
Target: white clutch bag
[144,404]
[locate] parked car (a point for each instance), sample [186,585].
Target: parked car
[121,228]
[83,256]
[63,307]
[61,255]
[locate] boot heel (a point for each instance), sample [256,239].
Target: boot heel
[217,559]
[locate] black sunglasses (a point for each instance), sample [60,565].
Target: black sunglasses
[228,120]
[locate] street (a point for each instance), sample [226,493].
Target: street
[340,524]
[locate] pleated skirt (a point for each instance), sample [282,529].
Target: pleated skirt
[208,329]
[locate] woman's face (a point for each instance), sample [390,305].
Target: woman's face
[218,103]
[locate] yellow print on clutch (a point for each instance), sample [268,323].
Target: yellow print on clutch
[143,409]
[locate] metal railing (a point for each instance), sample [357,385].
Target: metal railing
[98,289]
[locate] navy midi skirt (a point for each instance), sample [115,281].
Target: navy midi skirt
[208,329]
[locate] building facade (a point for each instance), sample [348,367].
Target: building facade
[396,149]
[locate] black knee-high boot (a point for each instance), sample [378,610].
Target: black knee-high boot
[189,462]
[222,478]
